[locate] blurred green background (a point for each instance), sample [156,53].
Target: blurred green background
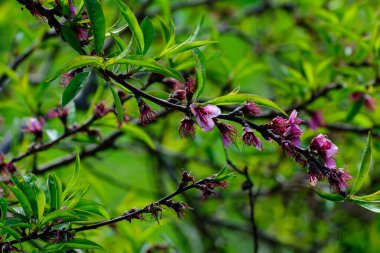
[283,50]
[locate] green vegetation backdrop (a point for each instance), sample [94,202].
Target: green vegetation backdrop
[319,57]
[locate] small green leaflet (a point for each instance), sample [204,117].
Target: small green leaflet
[223,175]
[79,61]
[3,208]
[200,71]
[55,191]
[150,64]
[71,38]
[329,196]
[183,47]
[241,98]
[364,166]
[118,105]
[148,32]
[73,88]
[133,24]
[98,23]
[77,243]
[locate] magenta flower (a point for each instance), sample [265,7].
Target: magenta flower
[250,138]
[325,148]
[293,131]
[72,8]
[147,115]
[191,85]
[338,180]
[369,103]
[287,129]
[35,126]
[250,108]
[173,84]
[228,132]
[205,115]
[101,109]
[315,175]
[177,96]
[66,78]
[316,120]
[6,168]
[187,128]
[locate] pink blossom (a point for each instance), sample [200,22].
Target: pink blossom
[228,132]
[250,138]
[205,115]
[369,103]
[6,168]
[35,126]
[250,108]
[294,132]
[101,109]
[173,83]
[287,129]
[315,174]
[147,115]
[191,85]
[316,120]
[338,180]
[177,96]
[325,148]
[66,78]
[187,128]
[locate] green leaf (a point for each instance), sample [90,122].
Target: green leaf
[329,196]
[355,109]
[148,32]
[120,43]
[200,71]
[364,166]
[3,208]
[77,243]
[119,107]
[183,47]
[73,88]
[55,191]
[372,206]
[223,175]
[73,182]
[133,23]
[71,38]
[80,61]
[138,133]
[67,215]
[241,98]
[34,194]
[98,23]
[93,209]
[150,64]
[10,231]
[23,200]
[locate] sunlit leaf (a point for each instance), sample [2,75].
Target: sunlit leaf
[77,243]
[364,166]
[149,64]
[98,23]
[148,32]
[132,22]
[73,88]
[329,196]
[241,98]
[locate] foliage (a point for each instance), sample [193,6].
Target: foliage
[272,99]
